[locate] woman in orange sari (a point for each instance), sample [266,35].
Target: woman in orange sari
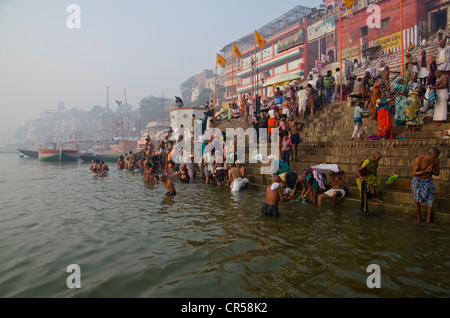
[385,124]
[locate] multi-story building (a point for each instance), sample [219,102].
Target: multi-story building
[362,35]
[302,37]
[283,54]
[201,82]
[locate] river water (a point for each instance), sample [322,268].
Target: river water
[130,240]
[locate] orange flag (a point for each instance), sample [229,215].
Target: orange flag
[260,40]
[236,51]
[349,3]
[221,61]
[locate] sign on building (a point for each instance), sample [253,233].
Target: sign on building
[321,28]
[291,41]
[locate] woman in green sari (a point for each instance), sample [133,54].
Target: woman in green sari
[367,178]
[412,109]
[402,93]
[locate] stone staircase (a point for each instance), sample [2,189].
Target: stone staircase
[394,61]
[326,138]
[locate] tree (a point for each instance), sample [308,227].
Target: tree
[203,97]
[186,90]
[151,108]
[96,110]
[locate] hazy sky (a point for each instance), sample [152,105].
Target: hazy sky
[147,47]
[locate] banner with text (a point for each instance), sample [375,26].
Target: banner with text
[319,29]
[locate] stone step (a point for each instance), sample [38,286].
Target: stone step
[397,203]
[402,183]
[400,197]
[361,152]
[401,171]
[389,208]
[385,161]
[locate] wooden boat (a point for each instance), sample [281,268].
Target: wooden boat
[88,157]
[30,153]
[61,152]
[109,156]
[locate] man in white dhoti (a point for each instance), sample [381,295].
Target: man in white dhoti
[442,87]
[302,102]
[235,179]
[443,57]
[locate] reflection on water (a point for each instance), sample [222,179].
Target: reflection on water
[131,240]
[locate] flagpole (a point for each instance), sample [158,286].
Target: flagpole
[254,78]
[232,79]
[401,38]
[340,51]
[215,80]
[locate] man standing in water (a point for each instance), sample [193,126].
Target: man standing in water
[233,174]
[170,187]
[422,185]
[274,194]
[236,178]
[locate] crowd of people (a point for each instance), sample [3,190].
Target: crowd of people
[311,182]
[423,91]
[424,88]
[99,168]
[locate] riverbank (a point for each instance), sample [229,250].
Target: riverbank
[325,138]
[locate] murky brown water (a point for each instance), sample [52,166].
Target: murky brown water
[132,241]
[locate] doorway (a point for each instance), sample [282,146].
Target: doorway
[439,20]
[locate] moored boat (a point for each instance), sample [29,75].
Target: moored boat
[61,152]
[88,157]
[30,153]
[109,156]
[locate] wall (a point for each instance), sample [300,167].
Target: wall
[183,116]
[353,22]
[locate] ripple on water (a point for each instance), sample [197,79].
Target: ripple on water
[132,241]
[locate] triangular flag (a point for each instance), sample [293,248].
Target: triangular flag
[349,3]
[260,40]
[236,51]
[221,61]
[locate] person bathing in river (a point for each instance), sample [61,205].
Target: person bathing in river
[102,170]
[274,194]
[237,177]
[121,163]
[422,185]
[93,164]
[337,188]
[168,184]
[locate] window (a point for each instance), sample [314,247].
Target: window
[280,69]
[267,53]
[364,31]
[245,81]
[294,64]
[385,24]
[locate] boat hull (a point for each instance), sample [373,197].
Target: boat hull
[30,153]
[108,157]
[56,155]
[88,158]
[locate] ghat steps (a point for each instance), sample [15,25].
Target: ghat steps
[394,61]
[326,139]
